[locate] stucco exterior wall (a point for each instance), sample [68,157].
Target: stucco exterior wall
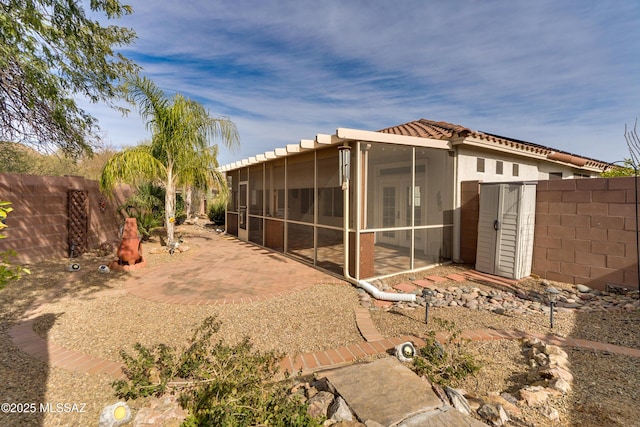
[529,169]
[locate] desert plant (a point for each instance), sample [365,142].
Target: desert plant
[216,211]
[146,205]
[444,363]
[219,384]
[8,272]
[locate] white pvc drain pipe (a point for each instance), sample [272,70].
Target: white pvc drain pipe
[386,296]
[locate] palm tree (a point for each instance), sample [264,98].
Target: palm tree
[180,152]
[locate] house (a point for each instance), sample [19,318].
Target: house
[398,187]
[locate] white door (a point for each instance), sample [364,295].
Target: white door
[395,211]
[488,225]
[243,232]
[498,229]
[507,238]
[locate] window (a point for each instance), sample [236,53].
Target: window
[499,167]
[515,169]
[555,175]
[480,164]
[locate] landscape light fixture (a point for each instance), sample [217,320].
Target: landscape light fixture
[553,297]
[426,294]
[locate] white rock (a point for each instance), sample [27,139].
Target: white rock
[319,404]
[555,350]
[534,395]
[551,413]
[557,372]
[458,400]
[496,415]
[339,410]
[561,385]
[583,289]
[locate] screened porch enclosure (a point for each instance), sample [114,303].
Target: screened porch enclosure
[400,207]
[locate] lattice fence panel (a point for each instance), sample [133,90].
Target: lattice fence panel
[78,214]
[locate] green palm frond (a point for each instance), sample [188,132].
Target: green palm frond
[132,165]
[182,149]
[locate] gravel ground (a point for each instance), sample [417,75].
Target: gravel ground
[92,313]
[606,386]
[283,323]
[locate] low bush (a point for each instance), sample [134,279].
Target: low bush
[219,384]
[444,363]
[216,212]
[8,272]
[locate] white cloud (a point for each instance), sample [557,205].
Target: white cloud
[562,74]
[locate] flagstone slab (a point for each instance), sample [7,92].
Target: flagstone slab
[384,391]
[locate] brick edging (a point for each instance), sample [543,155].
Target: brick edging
[27,340]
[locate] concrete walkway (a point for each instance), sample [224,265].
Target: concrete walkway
[219,275]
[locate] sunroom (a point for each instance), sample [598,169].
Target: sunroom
[357,203]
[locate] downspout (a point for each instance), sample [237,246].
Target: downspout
[375,292]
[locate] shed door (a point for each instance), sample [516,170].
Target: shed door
[498,229]
[486,253]
[507,232]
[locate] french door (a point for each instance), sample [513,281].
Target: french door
[243,189]
[395,202]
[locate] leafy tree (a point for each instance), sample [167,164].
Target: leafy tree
[51,51]
[619,170]
[631,165]
[18,158]
[180,152]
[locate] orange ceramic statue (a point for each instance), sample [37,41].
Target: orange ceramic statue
[130,250]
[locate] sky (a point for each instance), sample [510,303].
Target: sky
[564,74]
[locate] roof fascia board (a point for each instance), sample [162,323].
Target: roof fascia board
[313,144]
[328,139]
[364,135]
[308,144]
[293,148]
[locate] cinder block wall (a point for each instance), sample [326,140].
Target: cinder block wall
[38,225]
[584,232]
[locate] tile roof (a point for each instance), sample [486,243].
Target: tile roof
[442,130]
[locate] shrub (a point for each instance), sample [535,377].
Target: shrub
[8,272]
[443,364]
[146,205]
[216,212]
[219,384]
